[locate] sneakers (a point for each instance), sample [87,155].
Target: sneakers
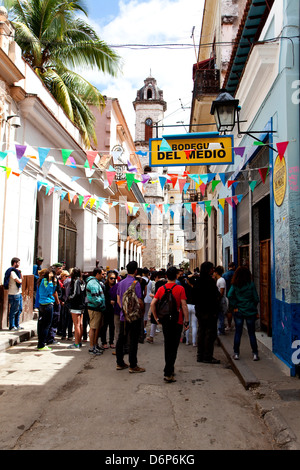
[74,346]
[95,351]
[124,366]
[169,379]
[255,357]
[45,348]
[235,356]
[136,369]
[149,339]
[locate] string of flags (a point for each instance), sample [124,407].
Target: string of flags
[185,181]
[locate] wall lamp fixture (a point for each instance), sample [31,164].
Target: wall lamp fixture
[225,110]
[14,120]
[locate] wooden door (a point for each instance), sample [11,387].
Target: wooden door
[265,287]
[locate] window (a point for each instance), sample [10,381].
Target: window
[149,94]
[67,240]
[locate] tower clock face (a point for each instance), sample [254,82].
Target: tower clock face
[149,122]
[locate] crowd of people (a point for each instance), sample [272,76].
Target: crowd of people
[112,309]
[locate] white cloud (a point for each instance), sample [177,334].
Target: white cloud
[153,22]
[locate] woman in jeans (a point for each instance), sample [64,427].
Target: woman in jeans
[243,299]
[46,286]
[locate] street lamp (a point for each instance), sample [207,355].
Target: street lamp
[224,109]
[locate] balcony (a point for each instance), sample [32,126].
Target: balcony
[206,82]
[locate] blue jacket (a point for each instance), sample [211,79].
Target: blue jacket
[46,291]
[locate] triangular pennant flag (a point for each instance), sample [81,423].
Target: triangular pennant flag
[239,151]
[204,178]
[174,180]
[71,162]
[229,183]
[143,154]
[160,207]
[222,202]
[214,184]
[263,173]
[194,205]
[80,199]
[92,202]
[202,188]
[229,200]
[20,150]
[164,146]
[187,205]
[101,201]
[152,206]
[240,197]
[194,177]
[75,178]
[134,210]
[208,207]
[235,199]
[162,180]
[223,178]
[43,153]
[23,162]
[186,187]
[3,155]
[171,214]
[8,172]
[129,179]
[166,207]
[145,178]
[281,147]
[75,198]
[181,183]
[63,195]
[86,199]
[187,153]
[65,154]
[91,157]
[252,185]
[257,142]
[110,176]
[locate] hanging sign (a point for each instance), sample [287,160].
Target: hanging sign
[279,180]
[192,149]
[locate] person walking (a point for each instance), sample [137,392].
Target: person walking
[96,307]
[36,268]
[13,282]
[57,269]
[207,310]
[76,304]
[46,286]
[172,329]
[130,330]
[243,299]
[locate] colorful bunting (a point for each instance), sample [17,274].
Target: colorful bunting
[65,155]
[43,153]
[20,150]
[91,157]
[263,173]
[281,147]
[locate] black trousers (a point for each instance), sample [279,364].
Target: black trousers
[172,333]
[207,334]
[129,332]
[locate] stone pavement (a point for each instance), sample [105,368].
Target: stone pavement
[277,395]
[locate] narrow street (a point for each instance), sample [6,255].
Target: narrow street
[68,400]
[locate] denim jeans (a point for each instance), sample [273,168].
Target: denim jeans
[250,322]
[16,306]
[44,323]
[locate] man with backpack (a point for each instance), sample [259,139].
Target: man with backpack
[169,308]
[96,306]
[129,298]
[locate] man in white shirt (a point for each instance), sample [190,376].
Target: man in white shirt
[15,299]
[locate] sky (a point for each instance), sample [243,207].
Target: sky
[148,22]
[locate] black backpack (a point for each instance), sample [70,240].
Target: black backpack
[167,307]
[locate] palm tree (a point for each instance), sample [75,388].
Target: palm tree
[54,42]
